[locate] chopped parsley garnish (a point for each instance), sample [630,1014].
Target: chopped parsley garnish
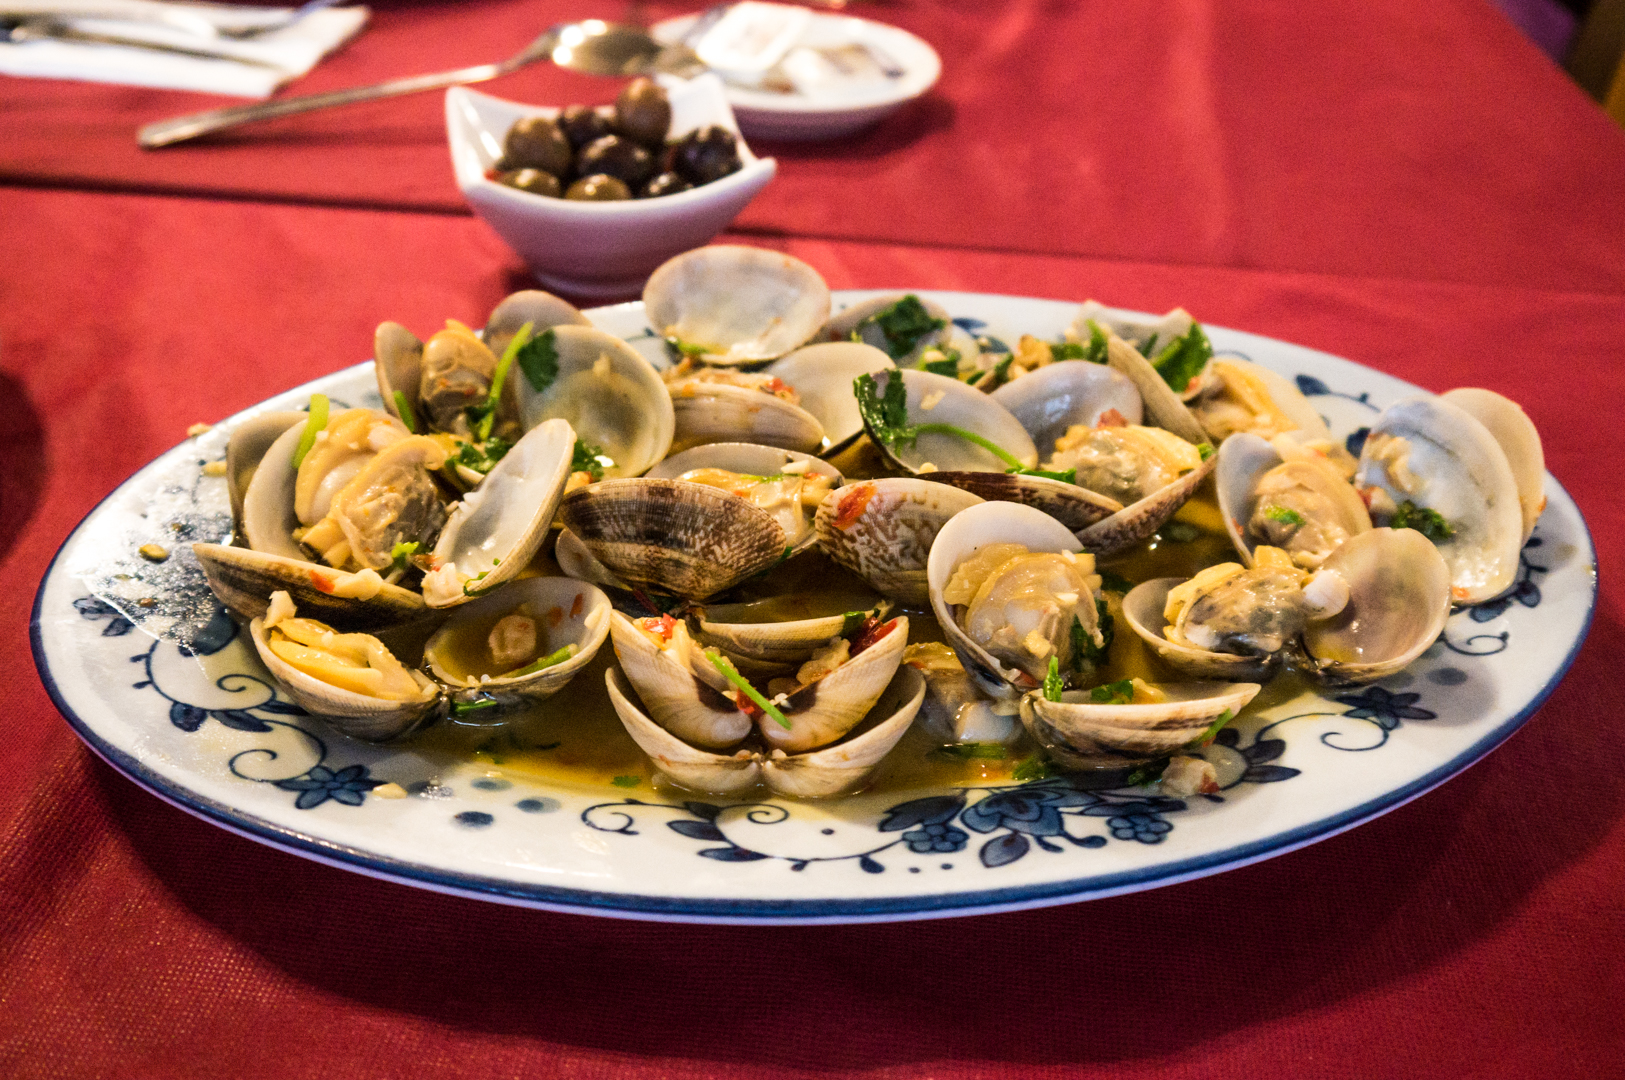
[1083,645]
[1112,581]
[1068,350]
[403,408]
[721,663]
[482,423]
[688,350]
[462,708]
[482,457]
[1095,353]
[627,781]
[1283,515]
[1148,773]
[400,556]
[1183,359]
[1052,681]
[1212,730]
[1035,767]
[886,417]
[948,365]
[973,751]
[901,325]
[470,587]
[1120,692]
[991,378]
[852,621]
[1204,450]
[539,360]
[550,660]
[590,459]
[314,424]
[1430,523]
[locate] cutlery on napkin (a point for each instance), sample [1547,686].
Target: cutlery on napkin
[211,48]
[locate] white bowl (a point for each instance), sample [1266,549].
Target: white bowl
[598,249]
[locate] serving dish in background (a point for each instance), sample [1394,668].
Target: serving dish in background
[598,249]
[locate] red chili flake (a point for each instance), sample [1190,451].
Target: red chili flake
[870,632]
[777,386]
[1210,786]
[555,615]
[746,705]
[662,625]
[852,505]
[321,581]
[575,608]
[492,174]
[1111,418]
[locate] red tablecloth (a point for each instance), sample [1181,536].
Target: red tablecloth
[1470,933]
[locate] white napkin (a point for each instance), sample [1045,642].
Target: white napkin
[293,50]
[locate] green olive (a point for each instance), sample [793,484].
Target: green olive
[643,114]
[534,181]
[536,142]
[598,188]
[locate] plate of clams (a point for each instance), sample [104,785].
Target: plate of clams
[758,602]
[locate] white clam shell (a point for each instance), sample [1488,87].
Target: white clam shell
[842,324]
[541,309]
[1138,520]
[882,530]
[1138,331]
[1052,399]
[244,579]
[1165,408]
[822,376]
[690,708]
[710,412]
[1142,610]
[1084,735]
[583,621]
[1518,439]
[247,447]
[357,715]
[745,305]
[1464,475]
[768,645]
[952,402]
[612,397]
[268,520]
[497,528]
[1075,507]
[1399,599]
[969,531]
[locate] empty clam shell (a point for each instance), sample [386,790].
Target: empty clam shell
[1399,599]
[736,305]
[681,538]
[821,375]
[1518,439]
[247,447]
[882,530]
[1080,734]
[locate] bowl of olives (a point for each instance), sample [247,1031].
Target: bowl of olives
[594,198]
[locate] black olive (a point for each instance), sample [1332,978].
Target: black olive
[598,188]
[582,124]
[533,180]
[643,114]
[704,155]
[536,143]
[667,183]
[618,157]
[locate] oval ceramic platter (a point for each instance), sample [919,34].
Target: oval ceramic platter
[160,683]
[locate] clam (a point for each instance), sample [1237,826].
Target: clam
[612,397]
[1012,590]
[760,643]
[1304,505]
[724,405]
[1243,396]
[931,403]
[1399,599]
[1053,399]
[732,305]
[788,485]
[495,530]
[1518,439]
[1430,464]
[244,580]
[1162,404]
[1138,520]
[518,645]
[830,770]
[821,375]
[350,679]
[882,530]
[1147,336]
[437,380]
[903,326]
[1080,733]
[681,538]
[246,448]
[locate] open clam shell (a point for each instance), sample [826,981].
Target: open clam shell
[1143,611]
[1145,334]
[1052,399]
[710,412]
[681,538]
[566,613]
[1245,459]
[752,459]
[357,715]
[882,530]
[244,579]
[541,309]
[774,646]
[1165,408]
[1082,735]
[611,396]
[1518,439]
[1399,599]
[842,325]
[1266,404]
[1075,507]
[739,305]
[1449,463]
[683,696]
[940,399]
[821,375]
[831,770]
[1139,520]
[268,519]
[496,529]
[968,532]
[247,447]
[823,711]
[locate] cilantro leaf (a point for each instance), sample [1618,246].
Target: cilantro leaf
[1183,359]
[1212,730]
[538,358]
[1096,352]
[1036,767]
[886,418]
[482,457]
[902,325]
[589,459]
[1068,350]
[1430,523]
[1120,692]
[1052,681]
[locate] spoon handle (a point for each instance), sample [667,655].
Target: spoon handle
[181,128]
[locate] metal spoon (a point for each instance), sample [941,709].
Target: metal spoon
[592,46]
